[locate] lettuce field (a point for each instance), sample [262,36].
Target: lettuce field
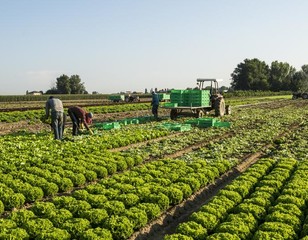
[146,181]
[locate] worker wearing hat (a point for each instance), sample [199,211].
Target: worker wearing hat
[79,116]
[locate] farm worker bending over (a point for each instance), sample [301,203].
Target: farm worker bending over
[155,103]
[56,107]
[78,117]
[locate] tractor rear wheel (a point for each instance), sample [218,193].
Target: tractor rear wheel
[219,107]
[305,96]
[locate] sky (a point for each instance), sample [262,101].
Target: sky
[133,45]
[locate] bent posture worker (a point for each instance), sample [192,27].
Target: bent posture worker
[80,116]
[55,106]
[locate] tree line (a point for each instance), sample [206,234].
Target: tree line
[68,85]
[253,74]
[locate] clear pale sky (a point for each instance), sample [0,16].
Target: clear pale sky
[119,45]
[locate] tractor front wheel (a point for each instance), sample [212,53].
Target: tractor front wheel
[219,107]
[228,110]
[199,113]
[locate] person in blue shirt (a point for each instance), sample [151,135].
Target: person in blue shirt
[155,104]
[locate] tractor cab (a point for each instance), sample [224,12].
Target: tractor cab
[215,97]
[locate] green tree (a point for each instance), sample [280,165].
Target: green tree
[300,80]
[68,85]
[252,74]
[63,84]
[280,76]
[76,86]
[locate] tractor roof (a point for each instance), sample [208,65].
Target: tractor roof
[208,80]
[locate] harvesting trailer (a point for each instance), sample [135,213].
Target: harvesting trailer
[198,101]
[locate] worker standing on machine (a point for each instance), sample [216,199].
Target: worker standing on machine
[79,117]
[155,104]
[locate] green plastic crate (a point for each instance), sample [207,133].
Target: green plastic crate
[163,96]
[145,119]
[113,125]
[176,126]
[170,104]
[132,120]
[123,122]
[108,126]
[182,127]
[222,124]
[116,97]
[206,122]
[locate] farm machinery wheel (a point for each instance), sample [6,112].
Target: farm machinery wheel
[199,113]
[173,114]
[305,96]
[228,110]
[219,107]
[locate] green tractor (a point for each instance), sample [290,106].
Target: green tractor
[198,101]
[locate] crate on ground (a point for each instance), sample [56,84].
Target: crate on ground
[202,122]
[222,124]
[132,120]
[192,121]
[182,127]
[108,126]
[145,119]
[123,122]
[176,126]
[206,122]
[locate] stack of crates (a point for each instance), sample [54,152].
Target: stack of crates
[191,98]
[170,105]
[116,97]
[163,96]
[176,96]
[199,98]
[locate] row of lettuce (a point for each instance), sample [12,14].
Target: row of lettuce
[31,168]
[268,201]
[37,115]
[114,207]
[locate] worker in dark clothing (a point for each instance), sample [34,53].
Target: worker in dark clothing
[55,106]
[155,104]
[79,117]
